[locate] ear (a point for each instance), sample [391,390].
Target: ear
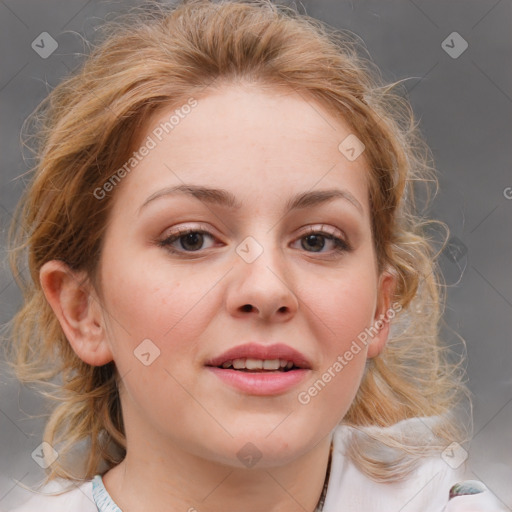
[386,287]
[78,310]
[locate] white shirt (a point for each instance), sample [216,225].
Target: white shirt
[425,490]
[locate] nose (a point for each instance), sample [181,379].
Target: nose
[262,288]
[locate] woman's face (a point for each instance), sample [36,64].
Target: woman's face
[263,273]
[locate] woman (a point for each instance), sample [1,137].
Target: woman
[230,278]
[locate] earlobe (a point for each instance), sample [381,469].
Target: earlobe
[387,282]
[77,308]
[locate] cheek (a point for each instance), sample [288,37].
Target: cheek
[339,313]
[156,317]
[342,308]
[160,304]
[342,317]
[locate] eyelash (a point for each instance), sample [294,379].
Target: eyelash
[340,245]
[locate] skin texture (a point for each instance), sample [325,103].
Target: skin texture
[185,426]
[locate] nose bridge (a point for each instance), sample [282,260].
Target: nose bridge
[263,280]
[261,254]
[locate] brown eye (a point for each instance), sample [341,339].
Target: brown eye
[189,240]
[317,240]
[192,241]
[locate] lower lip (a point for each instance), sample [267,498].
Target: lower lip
[259,383]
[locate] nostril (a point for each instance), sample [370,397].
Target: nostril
[247,308]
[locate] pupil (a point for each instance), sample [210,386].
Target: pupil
[193,238]
[315,238]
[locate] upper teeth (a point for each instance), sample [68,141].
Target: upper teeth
[258,364]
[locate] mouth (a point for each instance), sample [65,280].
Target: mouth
[251,365]
[256,357]
[257,369]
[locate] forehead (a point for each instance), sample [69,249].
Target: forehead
[254,141]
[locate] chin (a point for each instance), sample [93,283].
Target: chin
[256,449]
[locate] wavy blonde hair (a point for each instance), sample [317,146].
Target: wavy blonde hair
[86,129]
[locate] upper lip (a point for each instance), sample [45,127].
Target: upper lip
[258,351]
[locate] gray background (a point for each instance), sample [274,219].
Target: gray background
[464,105]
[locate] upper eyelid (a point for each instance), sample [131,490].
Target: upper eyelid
[186,229]
[309,228]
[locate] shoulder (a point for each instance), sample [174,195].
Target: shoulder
[60,496]
[426,488]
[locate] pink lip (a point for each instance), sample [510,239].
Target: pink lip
[271,383]
[261,383]
[257,351]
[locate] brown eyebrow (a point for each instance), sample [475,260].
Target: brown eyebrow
[225,198]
